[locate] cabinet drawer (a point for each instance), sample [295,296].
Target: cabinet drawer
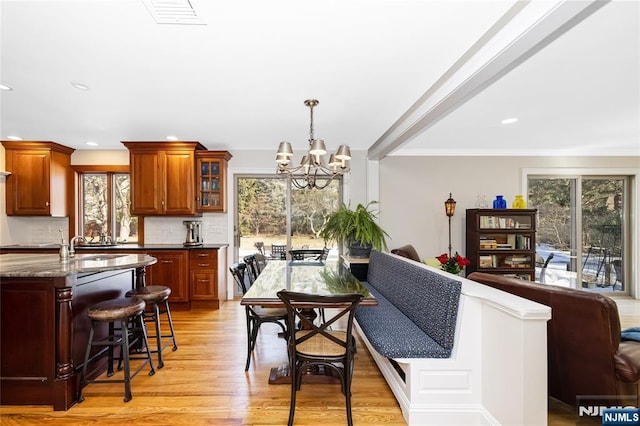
[203,286]
[201,260]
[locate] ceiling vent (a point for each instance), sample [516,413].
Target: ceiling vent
[173,12]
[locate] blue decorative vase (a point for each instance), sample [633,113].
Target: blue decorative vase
[499,202]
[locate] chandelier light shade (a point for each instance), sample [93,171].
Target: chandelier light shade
[313,172]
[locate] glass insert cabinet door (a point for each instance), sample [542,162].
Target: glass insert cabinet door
[211,181]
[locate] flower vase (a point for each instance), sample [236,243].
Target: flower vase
[519,203]
[499,202]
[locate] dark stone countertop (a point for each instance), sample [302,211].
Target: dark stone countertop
[50,265]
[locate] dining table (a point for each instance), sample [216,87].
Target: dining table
[311,277]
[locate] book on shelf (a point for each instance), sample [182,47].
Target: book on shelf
[486,261]
[488,244]
[501,222]
[525,277]
[523,242]
[517,262]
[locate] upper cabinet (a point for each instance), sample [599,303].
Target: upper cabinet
[163,177]
[41,180]
[211,181]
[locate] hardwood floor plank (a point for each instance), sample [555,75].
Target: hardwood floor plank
[204,383]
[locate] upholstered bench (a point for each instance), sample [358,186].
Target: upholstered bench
[454,351]
[416,313]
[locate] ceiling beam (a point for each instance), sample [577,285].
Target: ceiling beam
[526,28]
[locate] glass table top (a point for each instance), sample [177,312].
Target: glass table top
[323,278]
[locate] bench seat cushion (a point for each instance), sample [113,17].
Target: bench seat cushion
[429,299]
[393,334]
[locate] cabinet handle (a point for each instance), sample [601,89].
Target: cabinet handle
[203,254]
[203,281]
[166,261]
[203,265]
[46,204]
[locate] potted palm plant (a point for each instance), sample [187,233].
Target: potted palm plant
[357,229]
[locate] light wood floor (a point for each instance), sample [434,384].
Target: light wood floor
[204,382]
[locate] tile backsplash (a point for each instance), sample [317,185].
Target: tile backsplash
[158,230]
[35,230]
[171,230]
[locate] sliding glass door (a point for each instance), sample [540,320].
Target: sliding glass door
[271,213]
[582,236]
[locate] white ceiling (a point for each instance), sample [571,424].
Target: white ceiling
[239,81]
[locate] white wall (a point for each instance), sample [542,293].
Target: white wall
[413,191]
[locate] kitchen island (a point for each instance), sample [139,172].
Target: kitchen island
[196,275]
[44,326]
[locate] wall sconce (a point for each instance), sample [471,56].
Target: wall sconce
[450,209]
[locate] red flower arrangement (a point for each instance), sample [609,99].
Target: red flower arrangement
[453,264]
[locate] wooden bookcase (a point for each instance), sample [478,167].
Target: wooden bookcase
[502,241]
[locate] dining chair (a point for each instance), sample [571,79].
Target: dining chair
[320,345]
[259,245]
[252,267]
[325,253]
[257,315]
[278,251]
[261,262]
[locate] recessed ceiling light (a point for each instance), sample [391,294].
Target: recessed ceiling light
[91,143]
[509,120]
[79,86]
[172,138]
[14,138]
[5,88]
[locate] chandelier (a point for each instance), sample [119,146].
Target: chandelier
[312,171]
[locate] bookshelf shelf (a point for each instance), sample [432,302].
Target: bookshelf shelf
[501,241]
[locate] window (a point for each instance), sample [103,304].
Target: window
[271,212]
[105,202]
[583,235]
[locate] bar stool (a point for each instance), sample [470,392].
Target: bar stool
[128,312]
[157,296]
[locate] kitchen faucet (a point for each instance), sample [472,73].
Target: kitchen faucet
[72,251]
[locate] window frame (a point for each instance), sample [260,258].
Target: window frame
[110,171]
[632,241]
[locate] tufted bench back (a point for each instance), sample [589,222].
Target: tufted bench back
[429,299]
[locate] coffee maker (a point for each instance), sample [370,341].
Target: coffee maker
[193,233]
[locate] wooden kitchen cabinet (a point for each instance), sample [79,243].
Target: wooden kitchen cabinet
[163,177]
[211,180]
[203,267]
[41,179]
[171,270]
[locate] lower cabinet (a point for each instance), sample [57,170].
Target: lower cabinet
[171,270]
[203,289]
[193,275]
